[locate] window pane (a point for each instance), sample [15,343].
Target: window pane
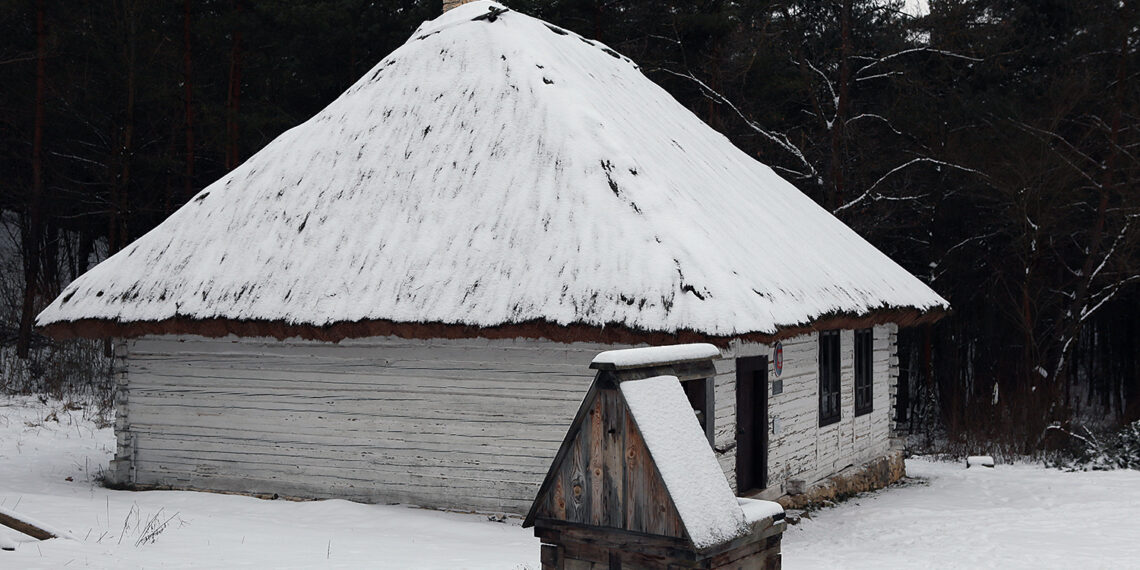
[864,371]
[829,363]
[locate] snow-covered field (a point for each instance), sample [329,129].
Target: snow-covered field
[1013,516]
[1018,516]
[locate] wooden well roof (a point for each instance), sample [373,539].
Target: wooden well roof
[635,459]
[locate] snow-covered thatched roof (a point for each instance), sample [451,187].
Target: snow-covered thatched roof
[494,172]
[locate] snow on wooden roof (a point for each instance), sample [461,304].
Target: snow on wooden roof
[687,465]
[652,355]
[494,171]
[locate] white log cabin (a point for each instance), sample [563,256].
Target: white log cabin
[398,300]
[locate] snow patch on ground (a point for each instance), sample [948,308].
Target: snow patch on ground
[1011,516]
[206,530]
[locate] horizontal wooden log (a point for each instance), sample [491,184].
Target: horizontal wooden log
[32,528]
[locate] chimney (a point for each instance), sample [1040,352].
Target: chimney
[449,4]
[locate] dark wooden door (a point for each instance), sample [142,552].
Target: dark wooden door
[751,423]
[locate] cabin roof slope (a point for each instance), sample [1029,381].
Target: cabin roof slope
[495,171]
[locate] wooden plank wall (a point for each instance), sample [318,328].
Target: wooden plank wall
[803,450]
[464,424]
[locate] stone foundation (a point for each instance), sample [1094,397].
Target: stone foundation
[874,474]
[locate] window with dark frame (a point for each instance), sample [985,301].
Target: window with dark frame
[699,393]
[829,398]
[864,373]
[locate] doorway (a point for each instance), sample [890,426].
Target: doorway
[751,424]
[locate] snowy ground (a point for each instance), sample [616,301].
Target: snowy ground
[1013,516]
[1017,516]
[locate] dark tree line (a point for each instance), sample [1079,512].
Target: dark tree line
[113,113]
[990,146]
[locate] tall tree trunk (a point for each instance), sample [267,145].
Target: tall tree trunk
[188,95]
[234,98]
[599,8]
[838,126]
[120,202]
[34,226]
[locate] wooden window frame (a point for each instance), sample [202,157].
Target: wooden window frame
[864,371]
[830,381]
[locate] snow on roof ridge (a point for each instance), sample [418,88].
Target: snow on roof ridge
[491,173]
[651,355]
[458,15]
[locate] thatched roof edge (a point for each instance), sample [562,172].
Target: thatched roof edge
[574,332]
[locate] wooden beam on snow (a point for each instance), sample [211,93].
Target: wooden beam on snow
[28,526]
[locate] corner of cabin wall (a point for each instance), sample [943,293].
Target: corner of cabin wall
[118,473]
[895,432]
[795,453]
[877,473]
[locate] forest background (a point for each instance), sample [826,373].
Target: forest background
[992,147]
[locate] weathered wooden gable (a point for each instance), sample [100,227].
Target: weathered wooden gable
[603,474]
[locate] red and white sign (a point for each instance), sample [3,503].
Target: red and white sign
[778,358]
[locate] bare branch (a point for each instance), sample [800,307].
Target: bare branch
[1107,296]
[18,59]
[870,190]
[1042,134]
[914,50]
[968,240]
[879,76]
[1115,243]
[874,116]
[830,87]
[780,139]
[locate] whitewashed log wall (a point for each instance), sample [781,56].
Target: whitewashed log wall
[468,424]
[801,449]
[457,424]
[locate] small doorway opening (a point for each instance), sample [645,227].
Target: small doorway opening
[751,424]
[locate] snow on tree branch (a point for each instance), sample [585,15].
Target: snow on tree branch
[914,50]
[870,192]
[830,87]
[879,76]
[1115,243]
[1106,296]
[874,116]
[781,140]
